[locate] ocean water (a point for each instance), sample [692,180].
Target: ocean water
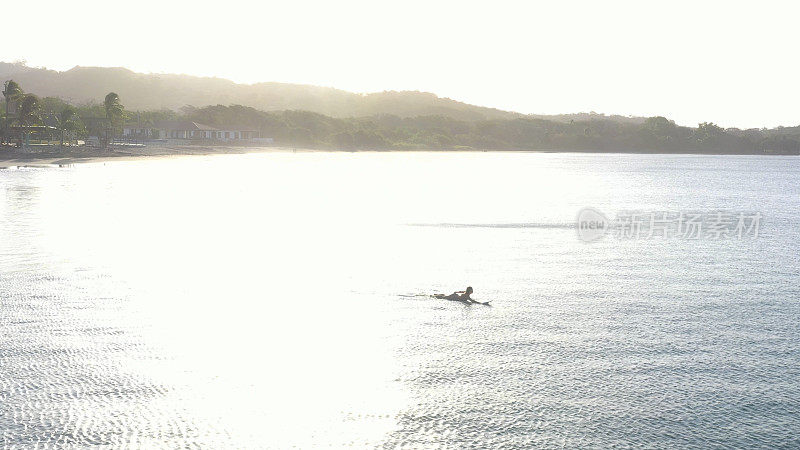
[280,300]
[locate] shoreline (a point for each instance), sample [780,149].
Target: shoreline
[13,158]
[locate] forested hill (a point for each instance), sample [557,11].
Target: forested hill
[309,116]
[166,91]
[593,134]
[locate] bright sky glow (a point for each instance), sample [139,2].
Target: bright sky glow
[733,63]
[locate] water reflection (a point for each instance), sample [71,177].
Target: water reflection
[279,299]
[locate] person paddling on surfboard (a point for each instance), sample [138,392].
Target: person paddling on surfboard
[463,296]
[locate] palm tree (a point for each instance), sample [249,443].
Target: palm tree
[12,93]
[114,108]
[28,111]
[67,121]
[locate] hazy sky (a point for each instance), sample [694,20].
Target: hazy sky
[731,63]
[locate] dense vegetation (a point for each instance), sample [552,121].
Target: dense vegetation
[588,132]
[54,113]
[655,134]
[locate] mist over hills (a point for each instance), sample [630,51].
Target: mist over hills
[320,117]
[140,91]
[170,91]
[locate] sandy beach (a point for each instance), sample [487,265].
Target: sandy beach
[10,158]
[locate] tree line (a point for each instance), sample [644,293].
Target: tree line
[390,132]
[655,134]
[23,112]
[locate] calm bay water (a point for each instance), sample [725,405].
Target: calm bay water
[278,299]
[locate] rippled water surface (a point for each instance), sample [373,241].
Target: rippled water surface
[277,300]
